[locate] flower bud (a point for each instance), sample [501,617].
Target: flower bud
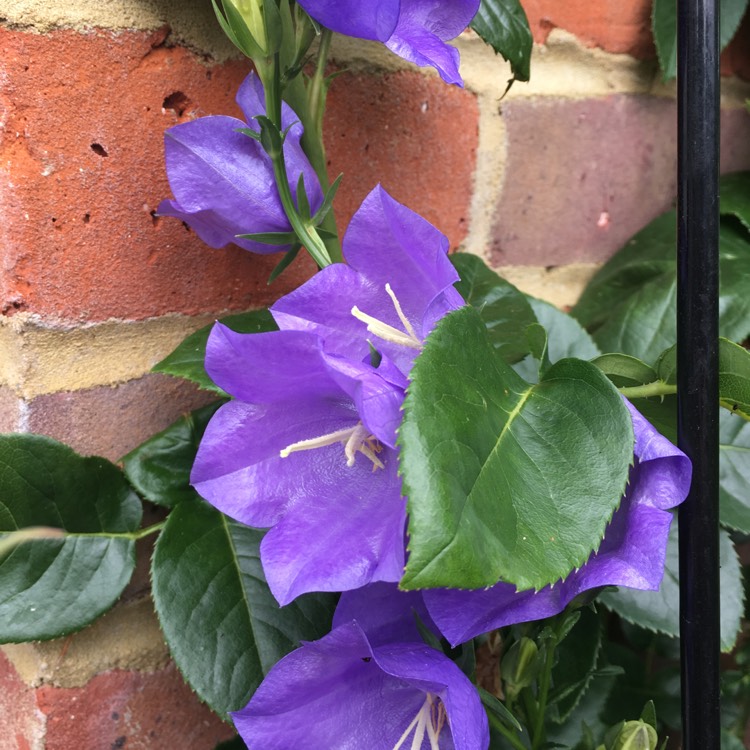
[636,735]
[252,14]
[520,666]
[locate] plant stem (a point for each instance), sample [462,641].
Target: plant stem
[657,388]
[306,233]
[539,734]
[509,734]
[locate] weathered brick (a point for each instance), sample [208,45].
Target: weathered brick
[21,724]
[129,710]
[735,60]
[614,25]
[411,133]
[584,176]
[81,160]
[110,421]
[10,408]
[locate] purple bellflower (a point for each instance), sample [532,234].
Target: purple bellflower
[223,180]
[307,446]
[349,691]
[416,30]
[632,553]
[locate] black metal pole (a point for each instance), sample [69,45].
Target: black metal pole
[697,334]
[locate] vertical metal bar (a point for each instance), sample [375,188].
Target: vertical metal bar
[697,333]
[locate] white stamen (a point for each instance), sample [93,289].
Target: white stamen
[388,332]
[355,439]
[424,722]
[404,320]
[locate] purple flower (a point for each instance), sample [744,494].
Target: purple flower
[307,445]
[223,180]
[345,692]
[416,30]
[631,554]
[292,452]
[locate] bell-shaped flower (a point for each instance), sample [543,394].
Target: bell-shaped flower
[632,552]
[223,180]
[293,452]
[346,691]
[396,284]
[416,30]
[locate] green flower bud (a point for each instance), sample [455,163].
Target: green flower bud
[520,666]
[252,14]
[636,735]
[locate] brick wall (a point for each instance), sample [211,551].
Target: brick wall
[545,184]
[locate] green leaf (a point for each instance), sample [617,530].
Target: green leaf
[278,239]
[494,490]
[159,469]
[735,196]
[659,610]
[285,262]
[664,27]
[504,26]
[504,309]
[734,378]
[577,658]
[325,207]
[566,336]
[222,624]
[186,361]
[629,306]
[734,472]
[497,710]
[624,370]
[51,587]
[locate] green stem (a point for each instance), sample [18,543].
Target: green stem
[316,95]
[539,734]
[305,232]
[657,388]
[509,734]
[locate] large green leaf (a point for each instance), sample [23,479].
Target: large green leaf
[222,624]
[735,196]
[734,472]
[505,479]
[664,27]
[629,306]
[50,587]
[186,361]
[504,26]
[659,610]
[160,468]
[734,378]
[504,309]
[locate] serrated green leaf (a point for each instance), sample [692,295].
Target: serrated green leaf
[664,27]
[186,361]
[659,610]
[51,587]
[734,472]
[504,309]
[734,378]
[504,26]
[735,196]
[624,370]
[494,492]
[629,306]
[577,658]
[221,622]
[565,335]
[159,469]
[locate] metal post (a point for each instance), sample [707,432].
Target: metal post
[697,333]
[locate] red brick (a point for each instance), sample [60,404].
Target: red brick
[584,176]
[408,132]
[622,26]
[735,60]
[90,250]
[21,725]
[110,421]
[129,710]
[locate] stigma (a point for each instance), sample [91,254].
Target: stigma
[357,439]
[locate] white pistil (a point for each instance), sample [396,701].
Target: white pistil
[424,722]
[355,439]
[388,332]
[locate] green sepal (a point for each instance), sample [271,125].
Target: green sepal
[325,207]
[254,134]
[271,138]
[270,238]
[285,262]
[303,203]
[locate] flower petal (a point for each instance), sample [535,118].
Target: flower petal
[363,20]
